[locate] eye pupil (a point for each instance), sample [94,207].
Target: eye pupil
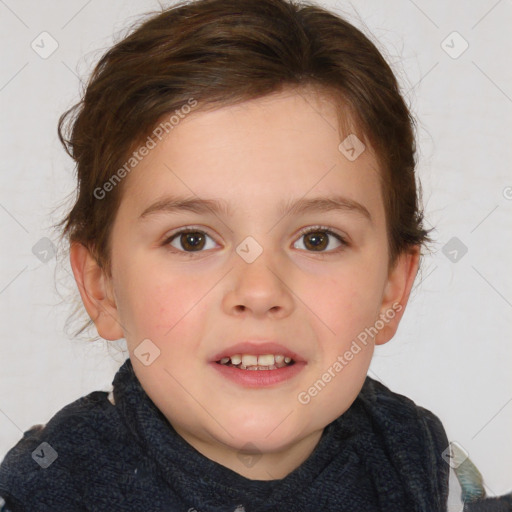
[318,240]
[192,240]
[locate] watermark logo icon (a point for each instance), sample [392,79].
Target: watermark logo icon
[454,249]
[45,45]
[249,249]
[44,250]
[351,147]
[44,455]
[454,454]
[146,352]
[249,459]
[454,45]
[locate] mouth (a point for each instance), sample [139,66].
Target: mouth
[256,362]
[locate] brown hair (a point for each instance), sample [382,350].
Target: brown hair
[223,52]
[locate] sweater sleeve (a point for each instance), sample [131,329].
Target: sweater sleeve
[49,466]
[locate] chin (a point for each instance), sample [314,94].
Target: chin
[252,445]
[264,437]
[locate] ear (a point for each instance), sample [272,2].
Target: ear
[96,291]
[396,294]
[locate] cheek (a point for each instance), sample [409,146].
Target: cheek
[346,303]
[333,391]
[157,306]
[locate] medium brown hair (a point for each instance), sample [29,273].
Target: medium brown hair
[224,52]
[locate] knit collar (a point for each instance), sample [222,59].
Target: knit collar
[363,451]
[171,452]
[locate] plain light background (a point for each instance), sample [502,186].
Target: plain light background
[453,351]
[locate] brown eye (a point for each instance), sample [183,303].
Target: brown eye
[189,241]
[192,241]
[319,239]
[316,240]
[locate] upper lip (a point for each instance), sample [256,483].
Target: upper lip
[258,348]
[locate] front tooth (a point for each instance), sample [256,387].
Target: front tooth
[236,359]
[248,360]
[266,360]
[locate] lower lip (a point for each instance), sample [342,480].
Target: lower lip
[259,378]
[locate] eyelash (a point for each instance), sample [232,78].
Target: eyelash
[325,229]
[312,229]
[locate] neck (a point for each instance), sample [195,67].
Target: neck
[255,465]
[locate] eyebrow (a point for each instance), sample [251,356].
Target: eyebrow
[173,204]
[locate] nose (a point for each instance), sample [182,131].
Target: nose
[259,288]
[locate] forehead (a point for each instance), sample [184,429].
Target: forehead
[282,146]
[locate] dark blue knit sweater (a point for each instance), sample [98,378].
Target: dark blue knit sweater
[382,454]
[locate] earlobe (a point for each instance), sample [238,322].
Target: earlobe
[396,295]
[96,291]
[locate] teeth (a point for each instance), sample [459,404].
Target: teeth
[253,362]
[237,359]
[266,360]
[248,360]
[272,367]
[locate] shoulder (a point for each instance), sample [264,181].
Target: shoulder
[40,471]
[400,413]
[413,437]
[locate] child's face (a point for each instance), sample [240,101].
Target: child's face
[256,158]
